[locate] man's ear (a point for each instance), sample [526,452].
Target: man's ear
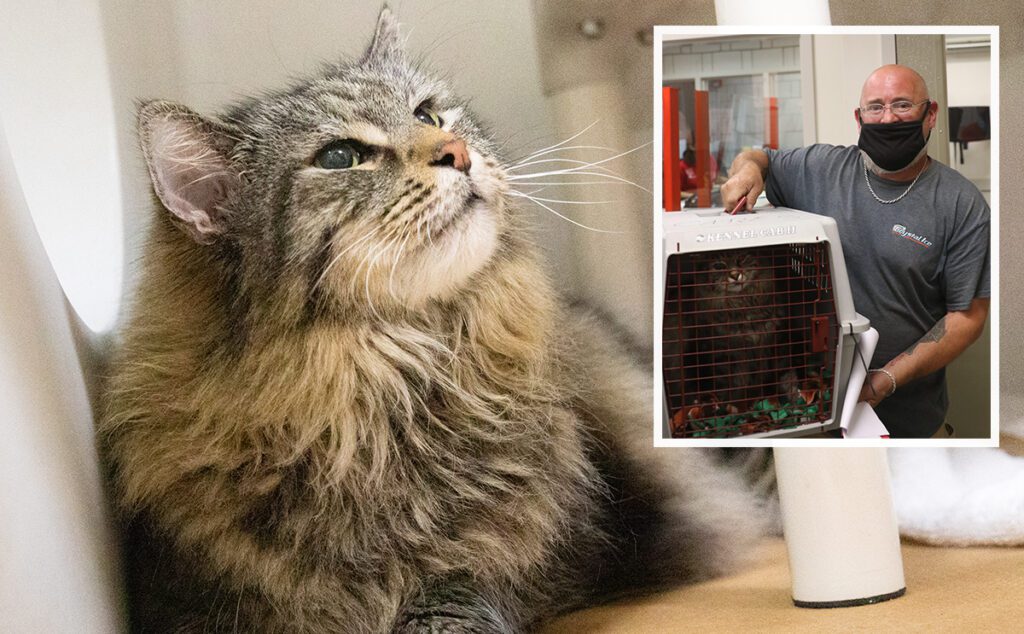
[188,160]
[856,116]
[933,114]
[387,42]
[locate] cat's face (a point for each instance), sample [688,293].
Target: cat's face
[368,185]
[733,273]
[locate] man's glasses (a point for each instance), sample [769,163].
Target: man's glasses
[898,108]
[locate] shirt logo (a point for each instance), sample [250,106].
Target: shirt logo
[902,232]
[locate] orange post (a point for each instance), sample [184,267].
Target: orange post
[671,200]
[702,147]
[771,126]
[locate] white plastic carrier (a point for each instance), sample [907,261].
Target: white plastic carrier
[765,359]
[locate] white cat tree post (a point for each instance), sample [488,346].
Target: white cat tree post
[840,526]
[59,197]
[838,514]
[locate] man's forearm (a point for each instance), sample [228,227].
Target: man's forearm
[949,337]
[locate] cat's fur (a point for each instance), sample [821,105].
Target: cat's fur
[329,414]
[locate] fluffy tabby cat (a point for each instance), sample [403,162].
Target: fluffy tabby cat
[347,400]
[735,322]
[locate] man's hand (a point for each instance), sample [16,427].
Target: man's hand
[876,387]
[746,179]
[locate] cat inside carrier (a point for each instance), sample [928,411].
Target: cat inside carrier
[757,325]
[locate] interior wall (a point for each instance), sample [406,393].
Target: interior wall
[837,59]
[968,83]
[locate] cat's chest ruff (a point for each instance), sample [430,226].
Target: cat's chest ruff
[410,375]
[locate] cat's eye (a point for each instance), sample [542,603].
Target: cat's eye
[339,155]
[425,115]
[718,266]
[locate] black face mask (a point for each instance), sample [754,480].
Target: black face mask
[892,146]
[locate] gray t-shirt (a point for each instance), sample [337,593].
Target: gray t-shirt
[909,262]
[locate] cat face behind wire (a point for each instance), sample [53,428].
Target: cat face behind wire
[367,187]
[734,274]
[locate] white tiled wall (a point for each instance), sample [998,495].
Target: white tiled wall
[725,57]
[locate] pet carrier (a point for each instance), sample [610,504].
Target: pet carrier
[758,324]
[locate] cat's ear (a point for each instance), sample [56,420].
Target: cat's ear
[188,160]
[387,41]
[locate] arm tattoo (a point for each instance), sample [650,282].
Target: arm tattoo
[937,332]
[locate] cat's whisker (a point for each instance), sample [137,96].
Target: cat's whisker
[566,202]
[557,145]
[551,160]
[394,267]
[565,148]
[516,192]
[370,260]
[415,217]
[425,55]
[369,270]
[337,258]
[566,183]
[387,231]
[589,164]
[430,236]
[568,219]
[520,161]
[569,171]
[573,171]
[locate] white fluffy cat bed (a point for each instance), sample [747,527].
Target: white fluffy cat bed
[961,496]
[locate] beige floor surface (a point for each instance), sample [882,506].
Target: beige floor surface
[948,589]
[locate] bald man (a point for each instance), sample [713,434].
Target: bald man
[915,234]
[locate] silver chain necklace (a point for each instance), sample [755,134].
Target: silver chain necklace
[898,198]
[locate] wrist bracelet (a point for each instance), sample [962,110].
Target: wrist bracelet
[891,378]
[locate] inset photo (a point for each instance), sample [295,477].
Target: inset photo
[827,240]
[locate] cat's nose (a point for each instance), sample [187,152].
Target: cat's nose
[453,154]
